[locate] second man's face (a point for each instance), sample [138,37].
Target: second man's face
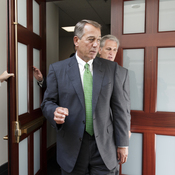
[88,45]
[109,50]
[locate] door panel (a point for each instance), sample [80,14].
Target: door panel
[36,88]
[133,60]
[134,162]
[134,17]
[156,120]
[27,153]
[165,85]
[165,143]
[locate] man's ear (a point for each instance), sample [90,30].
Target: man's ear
[100,49]
[76,41]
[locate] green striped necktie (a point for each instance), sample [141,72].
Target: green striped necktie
[87,83]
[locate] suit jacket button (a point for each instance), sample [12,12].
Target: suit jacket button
[80,139]
[83,122]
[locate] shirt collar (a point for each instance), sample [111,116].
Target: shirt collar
[82,62]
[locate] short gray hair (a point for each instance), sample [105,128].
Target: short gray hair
[109,37]
[79,27]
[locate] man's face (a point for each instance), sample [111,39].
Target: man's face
[109,50]
[88,45]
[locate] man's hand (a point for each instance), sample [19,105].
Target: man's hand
[60,115]
[37,74]
[5,75]
[122,154]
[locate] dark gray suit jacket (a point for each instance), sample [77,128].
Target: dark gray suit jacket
[110,91]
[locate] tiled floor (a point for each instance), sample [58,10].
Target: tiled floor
[53,168]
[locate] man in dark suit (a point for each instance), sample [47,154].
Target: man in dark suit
[80,150]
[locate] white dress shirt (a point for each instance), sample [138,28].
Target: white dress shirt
[81,64]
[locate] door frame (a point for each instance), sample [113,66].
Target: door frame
[32,41]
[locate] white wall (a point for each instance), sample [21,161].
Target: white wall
[52,46]
[3,88]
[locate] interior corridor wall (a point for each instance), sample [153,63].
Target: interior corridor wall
[66,47]
[52,46]
[3,88]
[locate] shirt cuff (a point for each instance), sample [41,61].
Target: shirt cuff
[41,83]
[122,146]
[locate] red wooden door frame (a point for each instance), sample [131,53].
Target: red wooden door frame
[149,122]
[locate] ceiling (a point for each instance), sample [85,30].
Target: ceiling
[72,11]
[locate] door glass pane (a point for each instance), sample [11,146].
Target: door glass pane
[36,88]
[23,157]
[165,155]
[133,60]
[166,82]
[22,12]
[36,22]
[134,16]
[36,151]
[134,162]
[166,15]
[22,78]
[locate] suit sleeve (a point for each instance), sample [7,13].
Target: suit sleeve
[50,101]
[120,106]
[126,89]
[44,83]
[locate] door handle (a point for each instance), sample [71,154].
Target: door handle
[6,137]
[27,128]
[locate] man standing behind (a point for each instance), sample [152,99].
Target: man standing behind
[80,92]
[109,45]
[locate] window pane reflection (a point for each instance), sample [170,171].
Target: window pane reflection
[166,15]
[165,143]
[36,19]
[36,88]
[23,157]
[36,153]
[166,81]
[22,12]
[134,162]
[134,16]
[22,78]
[133,60]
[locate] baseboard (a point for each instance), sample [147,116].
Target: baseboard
[4,169]
[51,152]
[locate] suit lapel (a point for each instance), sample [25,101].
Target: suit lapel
[74,76]
[98,74]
